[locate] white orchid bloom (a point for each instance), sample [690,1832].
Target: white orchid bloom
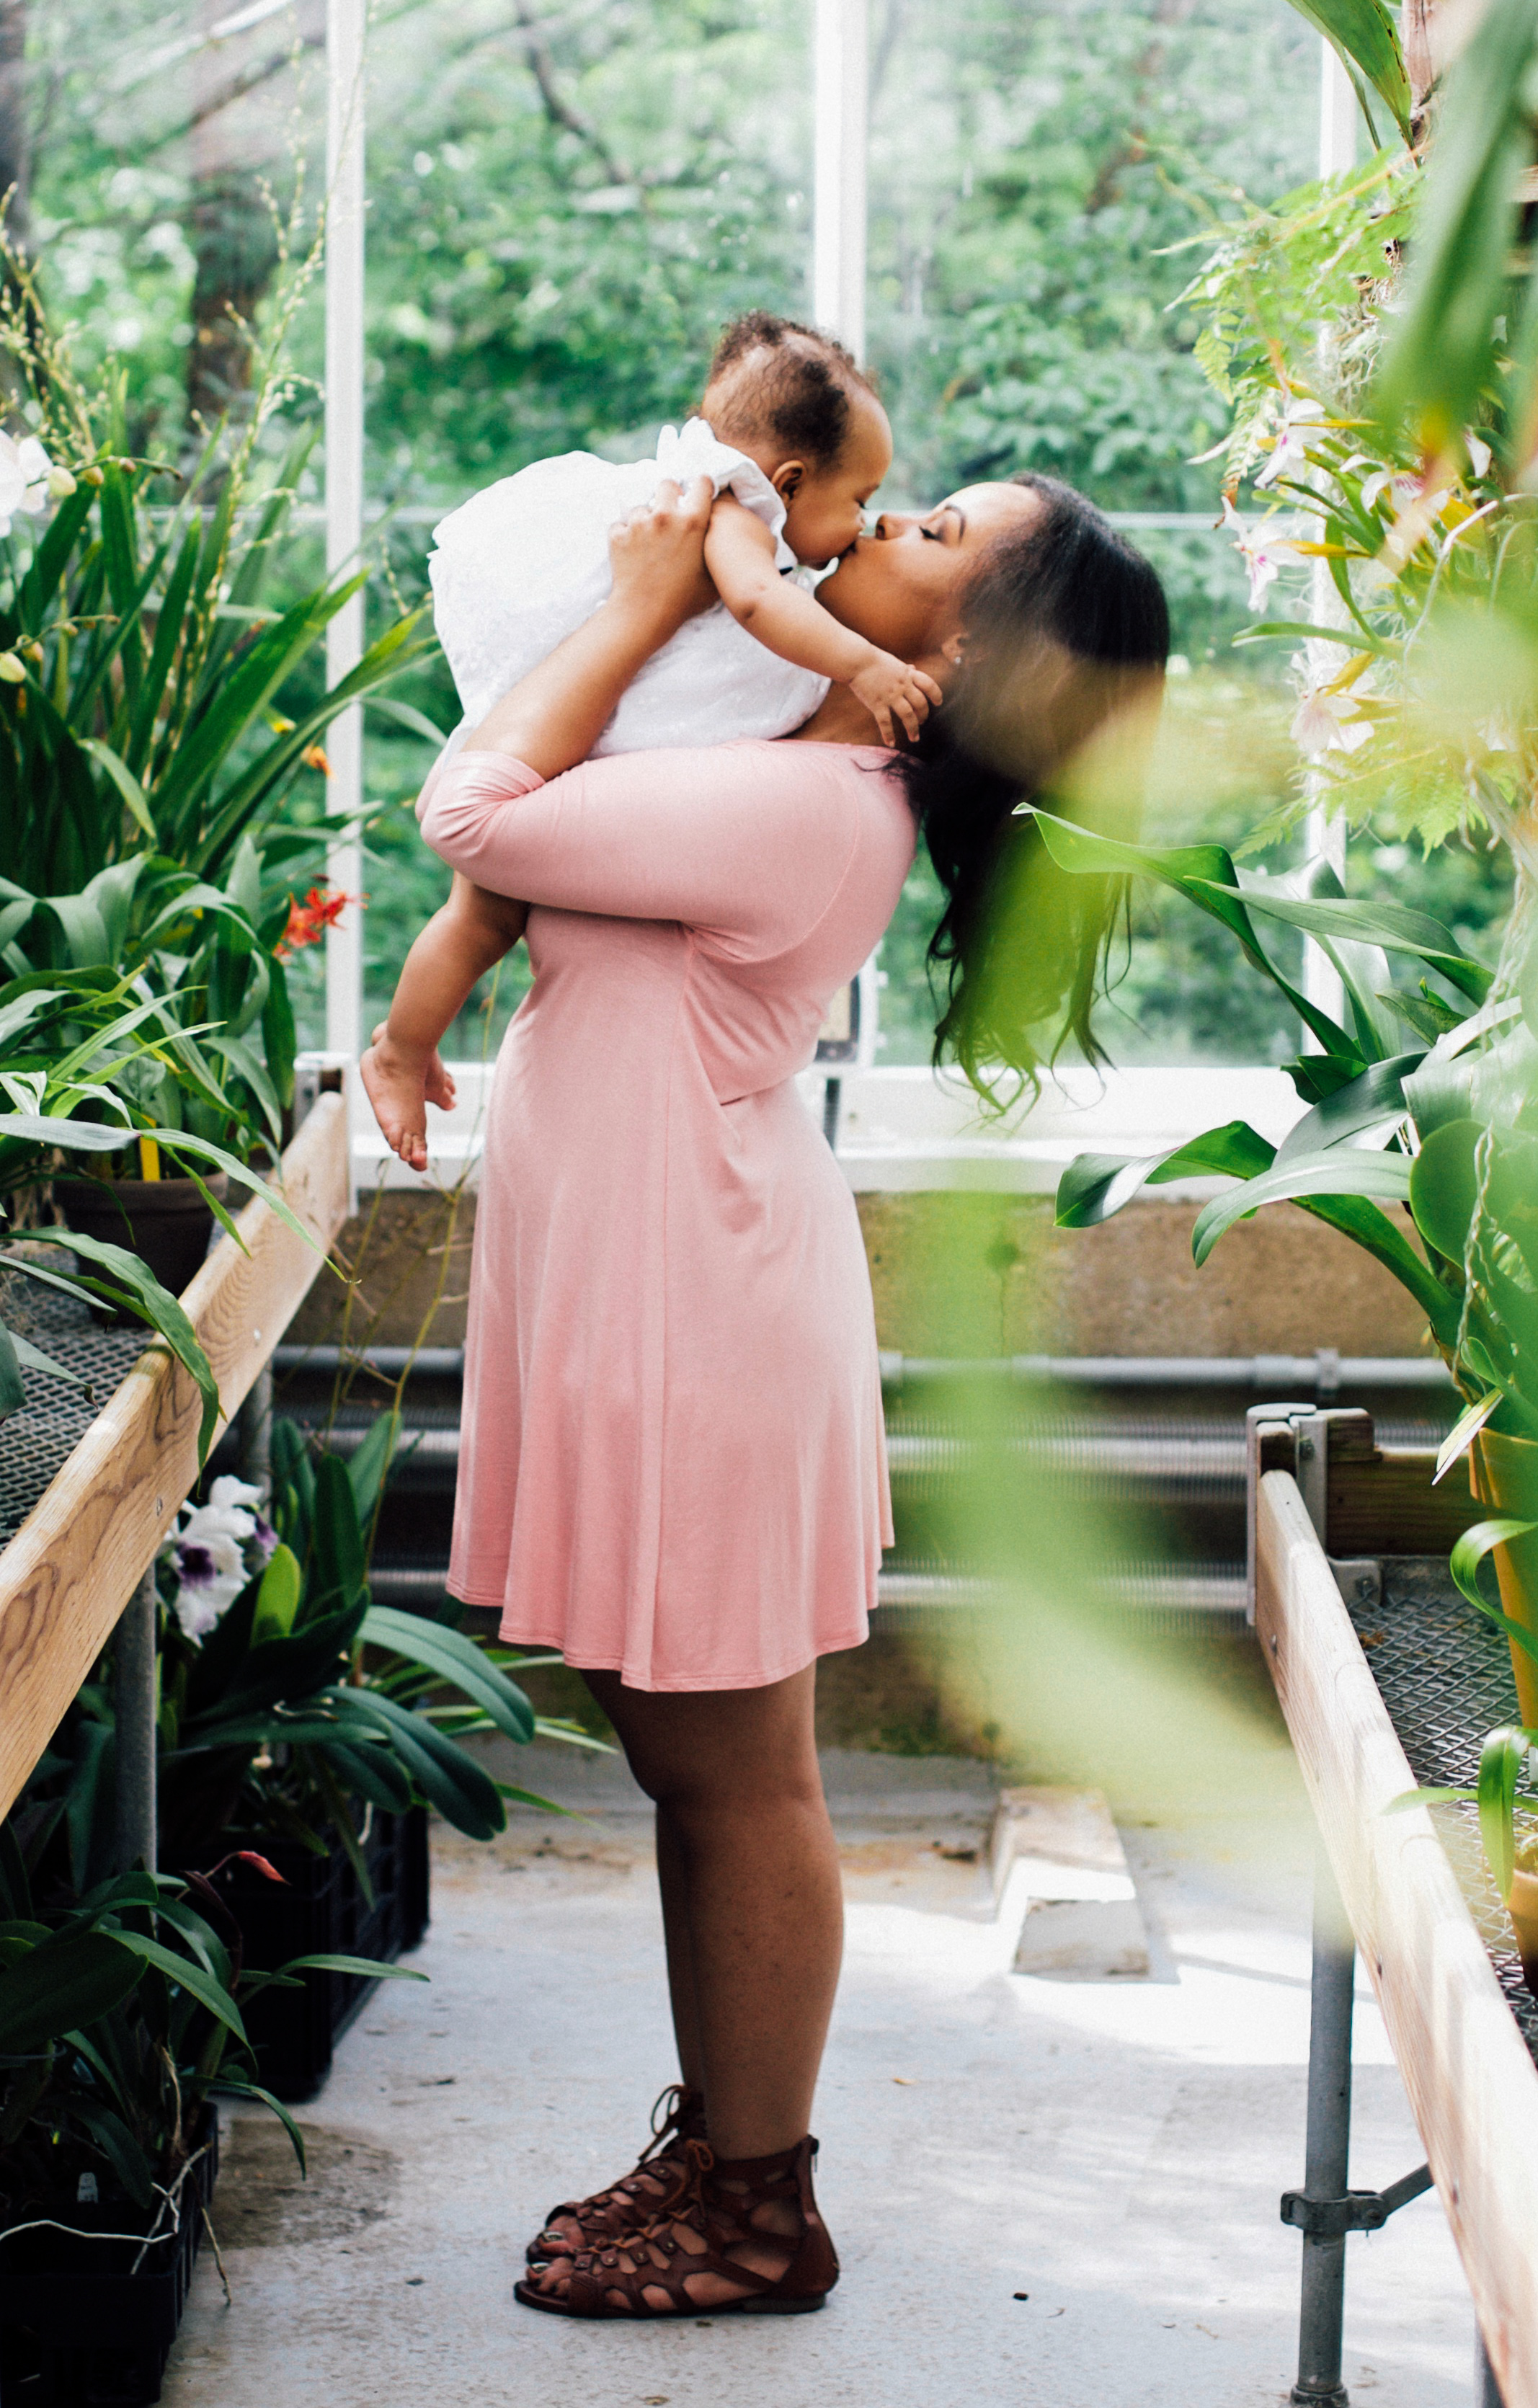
[1328,723]
[1263,561]
[25,470]
[210,1550]
[210,1575]
[1289,456]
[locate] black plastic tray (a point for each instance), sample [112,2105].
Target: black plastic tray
[58,2288]
[323,1911]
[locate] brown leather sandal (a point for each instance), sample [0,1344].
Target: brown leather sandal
[707,2227]
[630,2204]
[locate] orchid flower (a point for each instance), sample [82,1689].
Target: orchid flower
[1262,561]
[1328,723]
[208,1551]
[28,478]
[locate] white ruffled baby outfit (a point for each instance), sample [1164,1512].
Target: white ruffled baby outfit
[519,568]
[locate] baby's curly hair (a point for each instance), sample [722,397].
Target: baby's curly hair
[774,381]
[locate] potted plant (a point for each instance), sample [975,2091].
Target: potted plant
[122,2018]
[301,1721]
[158,723]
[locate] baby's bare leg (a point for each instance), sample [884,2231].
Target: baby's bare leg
[401,1069]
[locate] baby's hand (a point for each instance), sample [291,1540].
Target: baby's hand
[890,686]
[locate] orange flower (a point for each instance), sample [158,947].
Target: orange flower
[309,921]
[314,758]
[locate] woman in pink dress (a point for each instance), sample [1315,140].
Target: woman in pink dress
[673,1466]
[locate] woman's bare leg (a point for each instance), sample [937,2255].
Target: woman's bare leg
[673,1882]
[747,1849]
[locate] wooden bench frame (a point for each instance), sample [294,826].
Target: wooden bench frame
[82,1551]
[1472,2083]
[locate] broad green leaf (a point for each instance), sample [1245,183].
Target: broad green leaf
[1096,1185]
[123,779]
[117,2144]
[234,2084]
[454,1657]
[1466,1559]
[337,1568]
[188,1976]
[1373,1101]
[1340,1172]
[1390,926]
[371,1462]
[13,1392]
[66,1982]
[1500,1763]
[278,1598]
[1444,1186]
[1364,39]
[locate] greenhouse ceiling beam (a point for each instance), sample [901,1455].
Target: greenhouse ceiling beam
[344,367]
[838,202]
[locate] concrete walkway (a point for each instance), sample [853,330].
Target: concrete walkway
[1112,2151]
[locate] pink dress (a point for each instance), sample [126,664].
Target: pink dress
[672,1462]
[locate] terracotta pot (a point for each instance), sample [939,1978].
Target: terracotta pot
[1522,1906]
[164,1221]
[1504,1476]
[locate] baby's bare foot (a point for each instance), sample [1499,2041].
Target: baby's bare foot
[395,1083]
[441,1089]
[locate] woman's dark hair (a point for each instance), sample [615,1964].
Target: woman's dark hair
[1066,624]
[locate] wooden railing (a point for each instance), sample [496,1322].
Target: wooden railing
[79,1557]
[1472,2083]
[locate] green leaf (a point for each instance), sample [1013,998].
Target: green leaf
[1465,1430]
[188,1976]
[117,2144]
[1362,34]
[130,1283]
[234,2084]
[1096,1185]
[66,1982]
[1444,1186]
[13,1394]
[456,1659]
[1339,1173]
[1390,926]
[123,779]
[370,1462]
[277,1597]
[372,1968]
[1500,1763]
[337,1568]
[1465,1561]
[1374,1099]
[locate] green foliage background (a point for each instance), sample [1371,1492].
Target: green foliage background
[564,207]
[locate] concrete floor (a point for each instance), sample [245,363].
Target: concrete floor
[1114,2150]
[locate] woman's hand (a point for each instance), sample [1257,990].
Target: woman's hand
[657,555]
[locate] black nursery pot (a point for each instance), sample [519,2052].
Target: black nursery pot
[79,2327]
[320,1911]
[165,1222]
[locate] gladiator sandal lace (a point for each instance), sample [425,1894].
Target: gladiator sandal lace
[705,2229]
[632,2202]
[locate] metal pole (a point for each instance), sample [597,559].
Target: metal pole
[257,1435]
[1486,2392]
[344,370]
[838,204]
[1323,834]
[135,1700]
[1328,2146]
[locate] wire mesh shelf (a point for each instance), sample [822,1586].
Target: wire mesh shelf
[1444,1675]
[37,1440]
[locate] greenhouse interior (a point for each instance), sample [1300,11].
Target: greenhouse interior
[813,1544]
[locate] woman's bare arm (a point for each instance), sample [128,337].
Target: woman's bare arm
[552,718]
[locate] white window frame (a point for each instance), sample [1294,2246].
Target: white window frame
[900,1127]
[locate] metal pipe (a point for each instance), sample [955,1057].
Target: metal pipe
[433,1362]
[135,1699]
[1328,2152]
[1324,1372]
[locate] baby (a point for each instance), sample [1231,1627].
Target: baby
[794,441]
